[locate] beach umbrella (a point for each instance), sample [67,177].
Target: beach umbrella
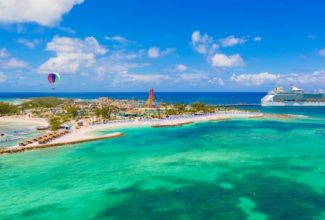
[53,78]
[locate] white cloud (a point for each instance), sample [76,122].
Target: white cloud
[254,79]
[232,41]
[216,81]
[156,52]
[109,66]
[118,39]
[28,43]
[192,77]
[222,60]
[322,52]
[7,61]
[126,55]
[203,43]
[3,77]
[315,78]
[13,63]
[125,77]
[3,53]
[258,39]
[43,12]
[181,67]
[72,54]
[116,62]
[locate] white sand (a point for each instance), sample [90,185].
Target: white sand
[15,118]
[85,132]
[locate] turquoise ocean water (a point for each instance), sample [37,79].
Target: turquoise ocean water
[237,169]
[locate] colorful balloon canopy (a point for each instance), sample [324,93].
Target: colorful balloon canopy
[53,78]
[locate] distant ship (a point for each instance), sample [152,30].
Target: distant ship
[293,97]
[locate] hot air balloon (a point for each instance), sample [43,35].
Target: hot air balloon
[53,79]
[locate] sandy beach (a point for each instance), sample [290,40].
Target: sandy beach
[15,118]
[86,133]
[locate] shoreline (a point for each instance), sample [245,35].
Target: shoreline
[84,134]
[18,149]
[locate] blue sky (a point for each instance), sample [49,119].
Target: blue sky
[127,45]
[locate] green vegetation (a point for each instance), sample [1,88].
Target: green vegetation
[201,107]
[55,123]
[97,112]
[181,108]
[46,102]
[105,112]
[7,108]
[73,111]
[59,111]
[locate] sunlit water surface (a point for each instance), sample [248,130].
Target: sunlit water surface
[238,169]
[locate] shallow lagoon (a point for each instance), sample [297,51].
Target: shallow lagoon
[15,132]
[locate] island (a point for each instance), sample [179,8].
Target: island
[70,121]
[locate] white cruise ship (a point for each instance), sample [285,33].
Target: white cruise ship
[293,97]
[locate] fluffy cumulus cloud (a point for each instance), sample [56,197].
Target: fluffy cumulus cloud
[43,12]
[3,78]
[322,52]
[206,45]
[203,43]
[72,54]
[254,79]
[222,60]
[156,52]
[232,41]
[7,61]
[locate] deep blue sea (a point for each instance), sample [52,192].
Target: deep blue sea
[175,97]
[186,97]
